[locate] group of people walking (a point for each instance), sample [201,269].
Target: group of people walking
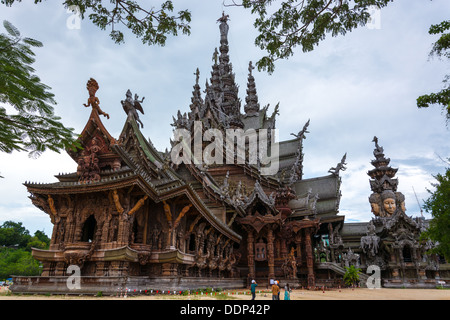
[276,290]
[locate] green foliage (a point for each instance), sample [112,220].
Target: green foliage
[150,24]
[19,261]
[441,48]
[14,234]
[33,127]
[438,204]
[351,276]
[303,23]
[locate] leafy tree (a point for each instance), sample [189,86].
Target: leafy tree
[441,49]
[351,276]
[304,23]
[14,234]
[41,236]
[283,24]
[150,24]
[17,262]
[33,127]
[438,204]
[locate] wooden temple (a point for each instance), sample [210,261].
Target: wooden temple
[132,216]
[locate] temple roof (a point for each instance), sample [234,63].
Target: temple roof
[327,191]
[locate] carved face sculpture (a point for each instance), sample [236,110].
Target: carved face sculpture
[389,205]
[375,209]
[400,201]
[375,202]
[403,206]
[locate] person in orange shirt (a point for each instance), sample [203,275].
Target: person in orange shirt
[275,291]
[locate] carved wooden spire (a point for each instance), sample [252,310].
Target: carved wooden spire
[383,175]
[196,95]
[252,105]
[223,79]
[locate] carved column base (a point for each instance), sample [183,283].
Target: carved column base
[311,280]
[169,269]
[59,270]
[45,269]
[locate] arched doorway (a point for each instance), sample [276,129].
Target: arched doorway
[89,229]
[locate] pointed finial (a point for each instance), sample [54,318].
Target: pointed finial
[223,25]
[224,18]
[250,67]
[197,76]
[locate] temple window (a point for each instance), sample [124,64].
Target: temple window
[407,254]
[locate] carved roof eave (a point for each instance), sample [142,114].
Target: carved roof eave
[198,203]
[94,124]
[258,221]
[111,183]
[303,224]
[253,172]
[391,223]
[259,194]
[132,179]
[152,156]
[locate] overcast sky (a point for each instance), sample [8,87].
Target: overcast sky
[351,87]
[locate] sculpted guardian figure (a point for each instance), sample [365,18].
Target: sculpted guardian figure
[130,105]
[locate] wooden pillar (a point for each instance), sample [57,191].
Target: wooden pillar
[55,231]
[309,258]
[144,240]
[284,251]
[271,253]
[105,230]
[298,244]
[251,254]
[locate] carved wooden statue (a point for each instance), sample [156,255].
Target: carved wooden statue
[92,87]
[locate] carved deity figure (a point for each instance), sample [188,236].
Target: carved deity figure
[92,87]
[88,168]
[223,25]
[130,105]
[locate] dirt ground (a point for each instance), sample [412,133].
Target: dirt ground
[335,294]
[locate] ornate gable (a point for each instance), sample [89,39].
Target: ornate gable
[97,144]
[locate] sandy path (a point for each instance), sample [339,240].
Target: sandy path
[344,294]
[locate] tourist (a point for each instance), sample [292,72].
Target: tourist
[253,289]
[287,292]
[279,289]
[275,291]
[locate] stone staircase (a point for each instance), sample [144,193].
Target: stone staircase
[333,266]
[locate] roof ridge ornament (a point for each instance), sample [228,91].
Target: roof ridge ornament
[130,106]
[223,24]
[92,87]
